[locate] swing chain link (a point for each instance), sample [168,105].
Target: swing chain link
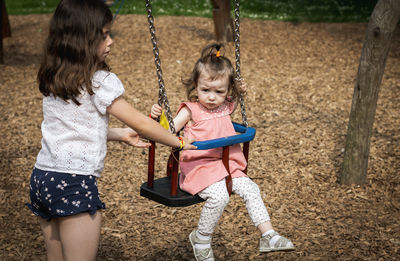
[162,95]
[237,55]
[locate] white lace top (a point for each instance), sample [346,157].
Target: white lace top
[75,137]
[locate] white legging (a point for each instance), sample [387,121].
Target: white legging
[217,198]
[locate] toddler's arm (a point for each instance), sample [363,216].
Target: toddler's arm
[180,120]
[126,135]
[143,125]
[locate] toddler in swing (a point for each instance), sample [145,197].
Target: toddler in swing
[213,91]
[79,94]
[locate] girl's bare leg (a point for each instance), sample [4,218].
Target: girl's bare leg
[80,236]
[52,240]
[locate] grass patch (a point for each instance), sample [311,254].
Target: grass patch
[283,10]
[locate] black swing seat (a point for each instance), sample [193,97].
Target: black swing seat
[161,193]
[161,190]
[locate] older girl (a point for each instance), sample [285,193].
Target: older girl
[79,93]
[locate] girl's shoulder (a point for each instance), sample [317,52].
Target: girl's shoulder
[193,107]
[106,87]
[108,81]
[104,77]
[188,104]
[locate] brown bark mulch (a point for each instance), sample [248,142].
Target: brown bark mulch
[301,78]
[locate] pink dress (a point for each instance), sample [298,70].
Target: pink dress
[202,168]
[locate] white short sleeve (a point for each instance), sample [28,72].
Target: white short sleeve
[107,87]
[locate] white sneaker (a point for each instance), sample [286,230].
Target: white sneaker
[200,254]
[282,243]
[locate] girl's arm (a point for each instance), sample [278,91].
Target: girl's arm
[181,119]
[126,135]
[143,125]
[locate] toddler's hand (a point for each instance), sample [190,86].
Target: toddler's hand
[241,85]
[156,111]
[131,137]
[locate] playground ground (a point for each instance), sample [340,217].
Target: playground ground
[301,78]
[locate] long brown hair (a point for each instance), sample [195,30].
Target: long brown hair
[216,65]
[70,52]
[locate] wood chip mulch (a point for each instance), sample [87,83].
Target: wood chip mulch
[301,78]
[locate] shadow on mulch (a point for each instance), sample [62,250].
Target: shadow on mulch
[21,59]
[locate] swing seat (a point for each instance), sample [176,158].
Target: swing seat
[166,190]
[161,193]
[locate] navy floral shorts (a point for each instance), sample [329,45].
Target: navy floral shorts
[56,194]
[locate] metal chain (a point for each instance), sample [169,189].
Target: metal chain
[162,94]
[237,55]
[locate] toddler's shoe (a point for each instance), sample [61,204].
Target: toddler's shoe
[200,254]
[275,242]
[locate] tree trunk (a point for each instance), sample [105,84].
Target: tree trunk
[223,23]
[5,30]
[383,22]
[1,46]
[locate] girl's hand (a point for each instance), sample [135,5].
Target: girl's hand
[128,136]
[156,111]
[241,85]
[132,138]
[188,144]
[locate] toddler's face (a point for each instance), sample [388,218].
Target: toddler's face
[104,47]
[212,92]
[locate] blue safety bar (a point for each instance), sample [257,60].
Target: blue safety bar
[247,134]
